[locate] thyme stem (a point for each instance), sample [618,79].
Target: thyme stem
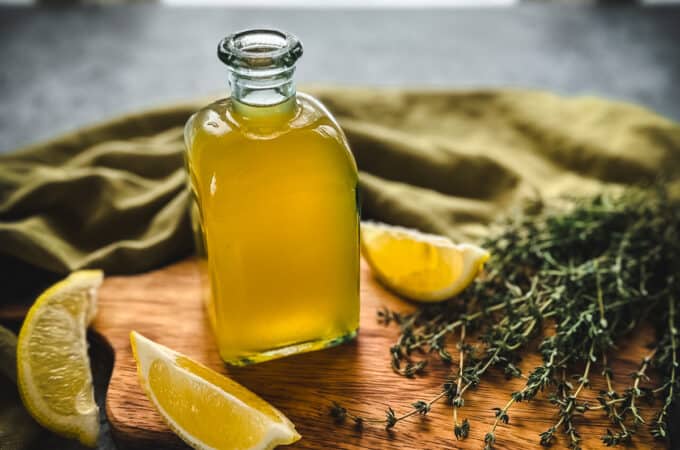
[593,271]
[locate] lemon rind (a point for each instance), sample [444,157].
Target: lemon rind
[83,427]
[473,257]
[277,434]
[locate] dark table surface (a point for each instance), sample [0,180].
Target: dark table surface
[64,68]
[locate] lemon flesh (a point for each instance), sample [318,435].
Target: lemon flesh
[207,410]
[53,368]
[419,266]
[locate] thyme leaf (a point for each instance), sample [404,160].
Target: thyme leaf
[594,270]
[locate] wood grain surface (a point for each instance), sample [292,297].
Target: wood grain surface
[164,305]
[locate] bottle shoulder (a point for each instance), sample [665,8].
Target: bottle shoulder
[219,119]
[215,130]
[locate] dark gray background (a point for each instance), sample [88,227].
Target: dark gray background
[64,68]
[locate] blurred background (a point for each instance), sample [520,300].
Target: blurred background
[66,64]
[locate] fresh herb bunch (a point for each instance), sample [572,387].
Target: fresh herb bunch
[592,272]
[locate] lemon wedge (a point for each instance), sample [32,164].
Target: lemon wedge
[53,369]
[419,266]
[207,410]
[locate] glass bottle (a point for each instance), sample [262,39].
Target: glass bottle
[275,208]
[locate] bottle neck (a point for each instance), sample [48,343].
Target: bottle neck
[257,92]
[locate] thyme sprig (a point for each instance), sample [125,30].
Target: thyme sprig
[592,273]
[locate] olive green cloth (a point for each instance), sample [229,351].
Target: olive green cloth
[113,196]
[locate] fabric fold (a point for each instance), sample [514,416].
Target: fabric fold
[114,195]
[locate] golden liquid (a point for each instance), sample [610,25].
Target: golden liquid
[276,209]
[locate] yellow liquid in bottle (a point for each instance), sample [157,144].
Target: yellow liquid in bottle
[276,213]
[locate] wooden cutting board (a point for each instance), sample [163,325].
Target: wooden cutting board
[164,305]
